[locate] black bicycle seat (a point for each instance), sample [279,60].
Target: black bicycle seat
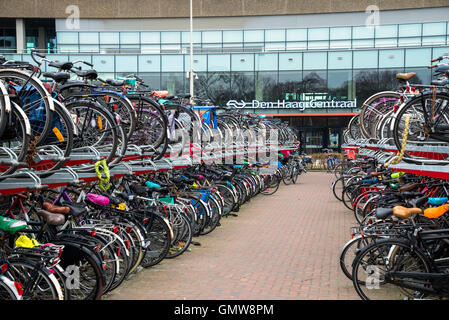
[115,83]
[384,213]
[59,77]
[89,74]
[61,65]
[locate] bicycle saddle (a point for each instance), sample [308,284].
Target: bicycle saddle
[76,208]
[115,83]
[55,209]
[61,65]
[98,199]
[408,187]
[11,225]
[52,219]
[89,74]
[160,94]
[405,213]
[405,76]
[383,213]
[433,213]
[438,201]
[139,190]
[57,76]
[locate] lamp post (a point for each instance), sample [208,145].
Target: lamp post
[191,53]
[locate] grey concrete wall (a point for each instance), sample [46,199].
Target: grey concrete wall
[202,8]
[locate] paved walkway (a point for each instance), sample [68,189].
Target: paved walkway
[283,246]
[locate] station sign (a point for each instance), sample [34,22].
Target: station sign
[297,105]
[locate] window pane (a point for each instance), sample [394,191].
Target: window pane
[149,63]
[150,37]
[266,86]
[129,38]
[363,43]
[340,60]
[216,62]
[109,37]
[242,85]
[290,85]
[297,45]
[365,59]
[390,31]
[89,37]
[417,57]
[410,30]
[170,48]
[233,36]
[391,58]
[126,63]
[434,29]
[296,34]
[172,82]
[242,62]
[253,36]
[211,37]
[150,48]
[318,44]
[318,34]
[153,80]
[196,37]
[290,61]
[275,46]
[275,35]
[217,87]
[341,33]
[340,44]
[89,48]
[363,32]
[315,60]
[199,62]
[437,40]
[170,37]
[340,85]
[392,42]
[414,41]
[104,63]
[68,48]
[67,37]
[366,84]
[314,85]
[438,52]
[172,63]
[267,61]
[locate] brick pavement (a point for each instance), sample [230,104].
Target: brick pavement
[283,246]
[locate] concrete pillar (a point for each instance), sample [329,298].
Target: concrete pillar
[20,36]
[42,38]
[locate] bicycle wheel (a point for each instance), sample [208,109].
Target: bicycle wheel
[96,128]
[373,110]
[158,233]
[7,289]
[350,250]
[30,94]
[38,283]
[214,218]
[60,136]
[419,130]
[182,238]
[16,138]
[370,273]
[151,129]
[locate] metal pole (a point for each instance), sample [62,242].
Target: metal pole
[191,52]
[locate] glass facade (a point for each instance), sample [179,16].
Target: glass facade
[263,40]
[296,76]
